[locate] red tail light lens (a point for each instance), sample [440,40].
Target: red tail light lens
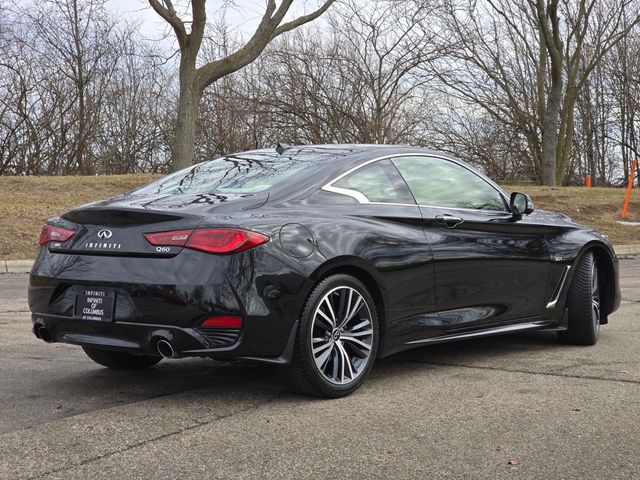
[225,240]
[219,241]
[228,321]
[168,239]
[51,233]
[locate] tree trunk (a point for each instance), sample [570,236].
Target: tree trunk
[541,107]
[186,124]
[193,81]
[188,106]
[83,168]
[548,23]
[567,118]
[550,137]
[550,128]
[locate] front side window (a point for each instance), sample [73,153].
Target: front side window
[441,183]
[378,182]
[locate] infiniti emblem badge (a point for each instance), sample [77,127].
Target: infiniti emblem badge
[105,234]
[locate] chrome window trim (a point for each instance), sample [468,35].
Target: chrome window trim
[495,213]
[396,204]
[361,198]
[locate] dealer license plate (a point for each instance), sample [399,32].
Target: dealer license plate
[95,304]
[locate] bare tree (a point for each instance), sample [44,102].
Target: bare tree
[493,81]
[76,36]
[232,117]
[622,69]
[526,63]
[491,77]
[353,81]
[193,80]
[135,117]
[594,28]
[80,92]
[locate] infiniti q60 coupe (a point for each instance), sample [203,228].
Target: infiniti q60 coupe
[318,258]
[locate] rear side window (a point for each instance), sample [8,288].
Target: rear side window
[244,173]
[378,182]
[441,183]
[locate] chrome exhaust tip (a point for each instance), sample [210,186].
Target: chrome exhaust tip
[165,349]
[44,335]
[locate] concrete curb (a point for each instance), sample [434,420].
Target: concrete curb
[15,266]
[626,250]
[24,266]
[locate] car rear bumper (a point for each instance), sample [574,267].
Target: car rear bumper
[130,337]
[142,339]
[168,299]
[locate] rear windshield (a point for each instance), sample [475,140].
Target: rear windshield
[245,173]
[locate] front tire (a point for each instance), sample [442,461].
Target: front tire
[120,360]
[337,339]
[583,302]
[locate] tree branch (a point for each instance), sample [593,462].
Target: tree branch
[267,30]
[168,13]
[194,39]
[303,19]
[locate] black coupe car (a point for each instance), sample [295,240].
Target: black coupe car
[319,258]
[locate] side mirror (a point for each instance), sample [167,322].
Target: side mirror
[520,205]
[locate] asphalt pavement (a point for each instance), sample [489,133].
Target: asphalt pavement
[518,406]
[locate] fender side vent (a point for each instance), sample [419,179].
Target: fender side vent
[558,291]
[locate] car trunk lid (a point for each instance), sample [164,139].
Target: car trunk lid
[117,226]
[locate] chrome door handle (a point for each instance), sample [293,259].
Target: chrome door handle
[449,220]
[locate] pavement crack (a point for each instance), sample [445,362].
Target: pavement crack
[530,372]
[196,425]
[592,364]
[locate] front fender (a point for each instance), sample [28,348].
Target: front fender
[569,250]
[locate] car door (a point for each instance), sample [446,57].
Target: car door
[489,269]
[394,243]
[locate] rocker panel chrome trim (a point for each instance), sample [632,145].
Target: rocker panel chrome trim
[482,333]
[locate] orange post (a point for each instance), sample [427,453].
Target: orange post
[627,197]
[588,181]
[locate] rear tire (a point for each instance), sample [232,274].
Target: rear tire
[583,302]
[120,360]
[337,339]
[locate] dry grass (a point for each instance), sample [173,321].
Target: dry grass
[596,207]
[25,202]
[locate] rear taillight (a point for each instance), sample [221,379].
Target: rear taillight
[168,239]
[51,233]
[219,241]
[224,240]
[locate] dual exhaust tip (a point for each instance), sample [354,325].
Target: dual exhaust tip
[165,349]
[43,333]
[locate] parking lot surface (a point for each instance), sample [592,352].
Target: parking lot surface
[518,406]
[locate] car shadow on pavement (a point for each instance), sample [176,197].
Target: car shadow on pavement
[486,348]
[90,382]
